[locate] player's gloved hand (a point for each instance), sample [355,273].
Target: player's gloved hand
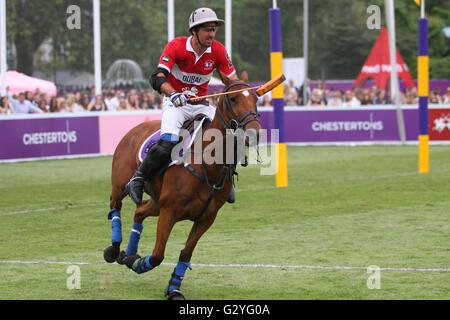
[178,99]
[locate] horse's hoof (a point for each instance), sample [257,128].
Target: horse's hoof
[129,260]
[175,295]
[121,257]
[111,253]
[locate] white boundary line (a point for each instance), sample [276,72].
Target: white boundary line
[62,207]
[245,266]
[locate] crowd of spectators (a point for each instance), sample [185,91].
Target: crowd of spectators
[320,95]
[79,101]
[128,100]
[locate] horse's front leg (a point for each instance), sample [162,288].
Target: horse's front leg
[146,209]
[198,229]
[139,265]
[111,253]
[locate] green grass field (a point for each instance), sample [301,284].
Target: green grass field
[346,208]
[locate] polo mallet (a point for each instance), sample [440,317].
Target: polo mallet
[260,90]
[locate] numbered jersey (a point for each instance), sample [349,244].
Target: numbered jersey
[190,73]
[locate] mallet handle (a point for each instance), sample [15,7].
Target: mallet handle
[220,94]
[260,90]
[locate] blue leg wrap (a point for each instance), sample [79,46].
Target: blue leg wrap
[142,265]
[178,275]
[135,236]
[116,223]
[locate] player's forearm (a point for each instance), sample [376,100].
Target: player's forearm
[164,88]
[167,89]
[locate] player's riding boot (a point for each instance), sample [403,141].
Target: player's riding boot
[232,196]
[153,162]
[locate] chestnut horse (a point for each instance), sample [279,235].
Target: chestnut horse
[196,191]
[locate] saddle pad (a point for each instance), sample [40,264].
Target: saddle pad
[187,142]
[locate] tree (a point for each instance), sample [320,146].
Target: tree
[339,40]
[29,24]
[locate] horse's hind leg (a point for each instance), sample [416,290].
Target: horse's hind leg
[146,209]
[111,253]
[198,229]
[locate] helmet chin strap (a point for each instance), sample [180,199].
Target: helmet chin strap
[200,43]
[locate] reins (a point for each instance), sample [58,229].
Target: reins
[235,122]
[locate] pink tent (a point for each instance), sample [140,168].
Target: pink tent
[19,82]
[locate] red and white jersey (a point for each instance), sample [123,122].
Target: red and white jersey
[190,73]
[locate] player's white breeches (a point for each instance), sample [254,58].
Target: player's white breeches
[174,117]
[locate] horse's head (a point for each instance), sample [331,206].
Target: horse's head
[238,111]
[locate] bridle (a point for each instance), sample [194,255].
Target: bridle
[236,122]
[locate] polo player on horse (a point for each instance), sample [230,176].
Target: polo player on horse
[184,71]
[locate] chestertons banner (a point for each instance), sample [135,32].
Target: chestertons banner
[378,65]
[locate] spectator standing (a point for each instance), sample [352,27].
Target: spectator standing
[5,106]
[145,101]
[133,100]
[320,89]
[62,105]
[435,98]
[447,96]
[53,104]
[316,99]
[97,104]
[153,99]
[44,106]
[267,101]
[84,102]
[111,101]
[335,98]
[290,94]
[366,98]
[122,104]
[308,93]
[22,106]
[350,100]
[73,105]
[30,96]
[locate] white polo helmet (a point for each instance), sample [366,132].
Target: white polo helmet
[203,15]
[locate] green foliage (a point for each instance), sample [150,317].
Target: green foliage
[438,14]
[339,40]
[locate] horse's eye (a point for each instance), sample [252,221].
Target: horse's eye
[233,99]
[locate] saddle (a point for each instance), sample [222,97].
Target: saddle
[193,126]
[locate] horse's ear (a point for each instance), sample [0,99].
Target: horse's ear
[226,81]
[244,76]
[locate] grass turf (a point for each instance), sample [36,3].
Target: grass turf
[344,207]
